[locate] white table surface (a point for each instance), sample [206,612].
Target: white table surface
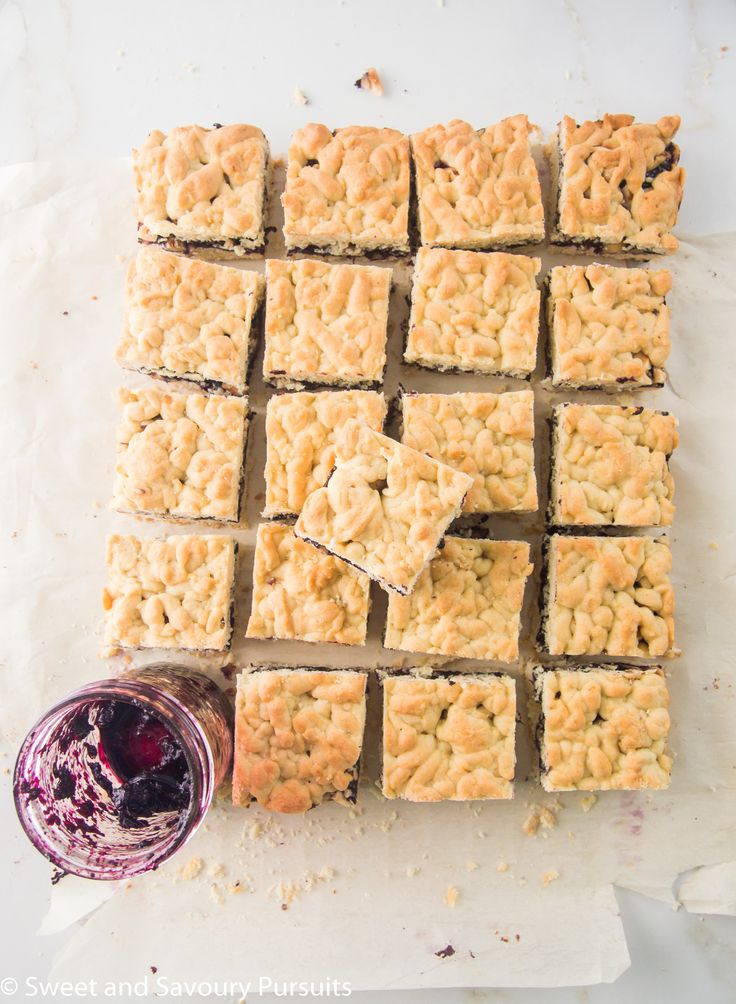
[83,79]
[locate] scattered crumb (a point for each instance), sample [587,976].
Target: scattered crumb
[544,816]
[724,48]
[189,67]
[502,866]
[587,802]
[568,75]
[217,870]
[216,894]
[256,830]
[446,952]
[93,297]
[65,313]
[191,869]
[299,97]
[451,896]
[34,366]
[154,969]
[550,876]
[471,865]
[713,545]
[411,872]
[370,81]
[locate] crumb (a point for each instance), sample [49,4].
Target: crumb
[65,313]
[411,872]
[217,870]
[34,366]
[471,865]
[446,952]
[284,906]
[550,876]
[189,67]
[713,545]
[451,896]
[93,297]
[370,81]
[120,258]
[191,869]
[544,816]
[587,802]
[154,969]
[278,162]
[255,831]
[216,894]
[299,97]
[502,866]
[568,75]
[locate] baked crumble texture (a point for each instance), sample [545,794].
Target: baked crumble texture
[488,436]
[325,324]
[180,455]
[609,327]
[301,440]
[466,603]
[169,592]
[385,507]
[300,592]
[603,728]
[478,189]
[203,185]
[474,312]
[448,738]
[347,191]
[298,737]
[187,319]
[610,466]
[609,596]
[619,184]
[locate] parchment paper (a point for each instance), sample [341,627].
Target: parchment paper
[355,896]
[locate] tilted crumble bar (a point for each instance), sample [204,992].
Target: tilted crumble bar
[301,436]
[603,728]
[347,191]
[203,189]
[385,507]
[466,603]
[610,466]
[169,592]
[609,596]
[325,324]
[474,312]
[180,456]
[619,187]
[478,189]
[298,737]
[190,320]
[448,738]
[488,436]
[609,327]
[299,592]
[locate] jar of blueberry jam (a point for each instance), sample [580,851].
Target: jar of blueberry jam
[116,778]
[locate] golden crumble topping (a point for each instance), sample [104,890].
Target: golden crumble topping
[448,738]
[603,728]
[466,603]
[169,592]
[610,466]
[180,455]
[298,737]
[475,312]
[301,436]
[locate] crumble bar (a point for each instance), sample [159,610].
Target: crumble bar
[298,737]
[203,189]
[325,324]
[169,592]
[488,436]
[385,507]
[608,596]
[301,435]
[180,456]
[466,603]
[602,728]
[347,191]
[609,328]
[478,189]
[610,466]
[448,738]
[190,320]
[474,312]
[618,185]
[302,593]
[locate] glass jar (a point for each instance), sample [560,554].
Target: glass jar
[65,786]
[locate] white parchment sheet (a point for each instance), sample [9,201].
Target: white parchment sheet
[356,896]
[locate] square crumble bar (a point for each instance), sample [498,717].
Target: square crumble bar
[474,312]
[478,189]
[302,593]
[385,507]
[602,728]
[180,456]
[610,466]
[190,320]
[448,738]
[298,737]
[325,324]
[466,603]
[347,191]
[169,592]
[203,190]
